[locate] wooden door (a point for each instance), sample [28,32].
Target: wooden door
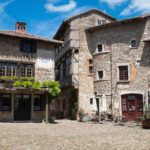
[22,107]
[132,106]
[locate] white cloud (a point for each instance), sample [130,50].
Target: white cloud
[61,8]
[137,6]
[5,20]
[4,4]
[113,3]
[75,12]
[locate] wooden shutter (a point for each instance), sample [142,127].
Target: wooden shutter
[34,47]
[22,46]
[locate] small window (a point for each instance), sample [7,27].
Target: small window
[91,101]
[133,43]
[101,22]
[6,102]
[90,66]
[39,103]
[123,73]
[99,48]
[100,75]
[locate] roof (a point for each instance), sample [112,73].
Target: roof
[28,36]
[147,39]
[65,22]
[121,22]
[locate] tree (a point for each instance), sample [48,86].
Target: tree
[52,91]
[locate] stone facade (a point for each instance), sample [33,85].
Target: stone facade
[43,69]
[77,44]
[117,52]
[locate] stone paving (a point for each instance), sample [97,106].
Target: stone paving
[72,135]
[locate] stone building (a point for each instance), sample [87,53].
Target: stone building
[24,55]
[74,62]
[121,60]
[103,65]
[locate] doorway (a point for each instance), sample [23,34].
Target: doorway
[132,106]
[22,107]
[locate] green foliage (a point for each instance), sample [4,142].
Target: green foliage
[53,87]
[8,78]
[81,114]
[36,85]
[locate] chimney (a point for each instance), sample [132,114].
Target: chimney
[21,27]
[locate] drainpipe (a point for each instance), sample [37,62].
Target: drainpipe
[111,79]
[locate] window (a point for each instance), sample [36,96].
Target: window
[39,103]
[91,101]
[26,70]
[100,75]
[99,48]
[123,73]
[133,43]
[64,68]
[6,102]
[8,69]
[28,46]
[58,73]
[101,22]
[90,66]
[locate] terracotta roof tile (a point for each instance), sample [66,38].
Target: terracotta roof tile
[28,36]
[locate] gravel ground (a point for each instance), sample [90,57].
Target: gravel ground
[72,135]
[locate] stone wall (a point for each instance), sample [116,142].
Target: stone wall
[116,41]
[43,59]
[86,87]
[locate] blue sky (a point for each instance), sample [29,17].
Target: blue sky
[43,17]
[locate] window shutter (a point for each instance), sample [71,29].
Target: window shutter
[34,47]
[21,46]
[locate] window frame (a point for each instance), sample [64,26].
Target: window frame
[100,22]
[118,74]
[8,69]
[91,101]
[41,101]
[97,75]
[8,101]
[97,49]
[25,67]
[134,39]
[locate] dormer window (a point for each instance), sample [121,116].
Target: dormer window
[133,43]
[99,48]
[101,22]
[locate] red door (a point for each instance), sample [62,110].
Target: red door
[132,106]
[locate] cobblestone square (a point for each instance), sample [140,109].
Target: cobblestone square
[72,135]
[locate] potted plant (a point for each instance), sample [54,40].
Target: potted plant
[146,119]
[80,115]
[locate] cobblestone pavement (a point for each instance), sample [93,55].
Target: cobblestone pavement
[72,135]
